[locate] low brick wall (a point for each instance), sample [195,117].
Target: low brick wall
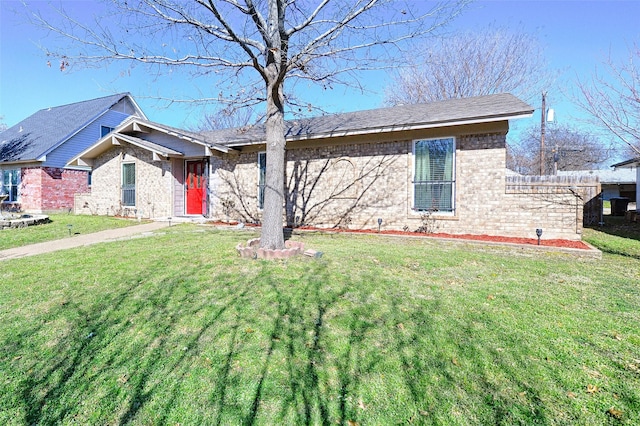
[350,183]
[49,189]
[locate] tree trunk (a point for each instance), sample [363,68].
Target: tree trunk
[272,236]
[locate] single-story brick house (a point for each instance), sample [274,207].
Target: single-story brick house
[34,153]
[440,166]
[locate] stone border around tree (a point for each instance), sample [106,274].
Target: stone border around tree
[253,250]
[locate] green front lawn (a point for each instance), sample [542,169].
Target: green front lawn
[59,228]
[177,329]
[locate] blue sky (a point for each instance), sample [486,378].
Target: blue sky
[577,37]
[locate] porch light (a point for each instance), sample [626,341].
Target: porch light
[379,223]
[539,234]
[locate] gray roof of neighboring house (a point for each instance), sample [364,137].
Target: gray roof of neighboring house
[617,176]
[634,162]
[404,117]
[39,133]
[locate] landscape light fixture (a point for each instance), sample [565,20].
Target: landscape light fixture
[539,234]
[379,223]
[69,227]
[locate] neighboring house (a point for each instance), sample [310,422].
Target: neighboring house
[34,153]
[438,166]
[619,182]
[633,163]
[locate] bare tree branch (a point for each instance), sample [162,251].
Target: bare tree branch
[471,64]
[282,40]
[612,99]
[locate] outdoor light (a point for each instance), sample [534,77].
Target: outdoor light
[379,223]
[539,234]
[69,227]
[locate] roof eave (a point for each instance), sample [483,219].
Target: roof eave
[25,161]
[634,162]
[395,128]
[171,132]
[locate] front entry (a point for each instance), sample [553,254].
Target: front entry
[196,187]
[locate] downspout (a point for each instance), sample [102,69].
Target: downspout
[638,187]
[207,194]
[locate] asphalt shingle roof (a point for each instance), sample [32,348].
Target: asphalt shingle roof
[39,133]
[481,108]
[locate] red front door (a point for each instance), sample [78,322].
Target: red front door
[195,185]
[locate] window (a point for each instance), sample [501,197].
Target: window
[10,184]
[262,174]
[433,179]
[105,130]
[129,184]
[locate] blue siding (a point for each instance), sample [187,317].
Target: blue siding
[83,139]
[188,149]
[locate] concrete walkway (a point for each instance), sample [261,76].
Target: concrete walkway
[81,240]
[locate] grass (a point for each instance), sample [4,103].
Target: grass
[176,329]
[616,237]
[59,228]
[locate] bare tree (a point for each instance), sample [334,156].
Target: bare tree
[612,98]
[258,43]
[227,118]
[566,149]
[471,64]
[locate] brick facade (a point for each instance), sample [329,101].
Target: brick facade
[154,181]
[351,185]
[50,189]
[350,182]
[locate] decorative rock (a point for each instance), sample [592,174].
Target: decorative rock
[23,221]
[253,250]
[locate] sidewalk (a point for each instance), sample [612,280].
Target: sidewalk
[80,240]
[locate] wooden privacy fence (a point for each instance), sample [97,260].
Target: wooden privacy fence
[585,188]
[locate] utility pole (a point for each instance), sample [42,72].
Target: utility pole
[542,130]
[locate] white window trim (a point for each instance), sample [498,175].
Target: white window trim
[412,209]
[18,185]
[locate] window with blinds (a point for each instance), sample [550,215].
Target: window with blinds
[129,184]
[434,175]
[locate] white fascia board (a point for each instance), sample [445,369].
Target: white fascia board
[171,132]
[137,107]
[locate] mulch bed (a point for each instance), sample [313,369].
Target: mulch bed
[487,238]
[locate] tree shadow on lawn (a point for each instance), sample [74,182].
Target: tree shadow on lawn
[619,227]
[56,387]
[305,349]
[452,376]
